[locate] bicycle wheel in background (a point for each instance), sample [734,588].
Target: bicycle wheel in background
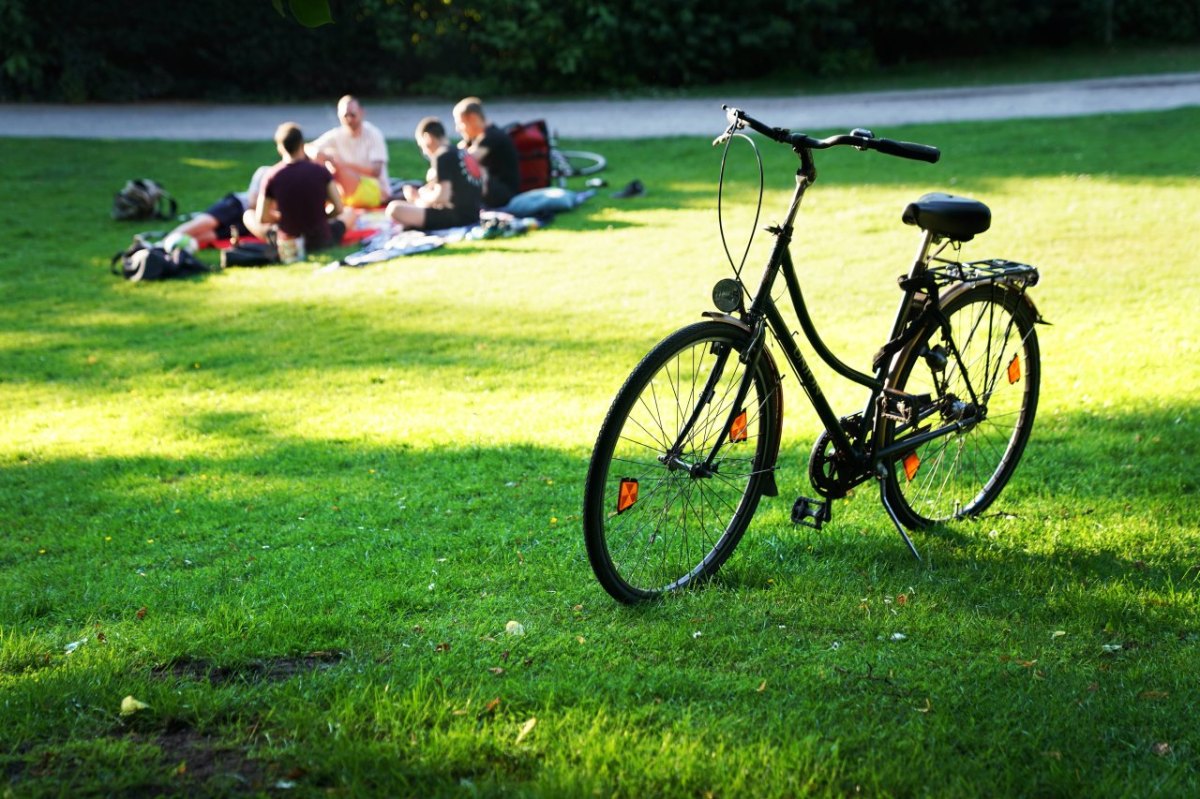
[961,474]
[654,523]
[574,163]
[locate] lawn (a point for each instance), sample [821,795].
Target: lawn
[293,512]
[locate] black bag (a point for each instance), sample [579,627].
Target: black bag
[143,199]
[142,261]
[250,253]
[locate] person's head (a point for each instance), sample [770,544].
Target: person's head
[289,140]
[431,135]
[469,119]
[350,112]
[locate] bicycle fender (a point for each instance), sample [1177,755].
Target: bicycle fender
[775,385]
[1023,295]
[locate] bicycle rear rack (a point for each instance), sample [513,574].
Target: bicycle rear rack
[993,270]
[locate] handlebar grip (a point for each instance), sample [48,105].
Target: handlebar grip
[907,149]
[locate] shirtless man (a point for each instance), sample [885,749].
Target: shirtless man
[356,154]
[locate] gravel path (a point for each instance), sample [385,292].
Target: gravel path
[621,119]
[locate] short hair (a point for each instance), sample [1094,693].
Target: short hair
[433,126]
[470,105]
[346,99]
[289,137]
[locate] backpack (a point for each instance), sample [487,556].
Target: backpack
[142,261]
[142,198]
[532,140]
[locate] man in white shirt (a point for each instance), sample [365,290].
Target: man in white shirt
[356,153]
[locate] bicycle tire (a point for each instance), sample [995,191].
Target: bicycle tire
[961,474]
[681,528]
[575,163]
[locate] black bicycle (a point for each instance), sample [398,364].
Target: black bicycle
[690,443]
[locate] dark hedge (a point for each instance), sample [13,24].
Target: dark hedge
[81,50]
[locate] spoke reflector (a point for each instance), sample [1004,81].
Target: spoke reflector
[911,462]
[1014,369]
[738,428]
[627,495]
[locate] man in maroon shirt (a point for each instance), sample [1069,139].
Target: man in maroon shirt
[298,198]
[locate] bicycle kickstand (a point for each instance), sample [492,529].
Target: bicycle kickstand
[887,506]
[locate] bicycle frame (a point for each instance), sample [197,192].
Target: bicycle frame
[764,310]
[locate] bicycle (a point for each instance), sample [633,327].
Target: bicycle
[690,442]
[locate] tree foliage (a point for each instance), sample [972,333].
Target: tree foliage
[79,50]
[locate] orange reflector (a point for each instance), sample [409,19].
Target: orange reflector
[737,428]
[911,462]
[627,495]
[1014,369]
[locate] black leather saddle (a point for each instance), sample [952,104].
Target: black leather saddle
[955,218]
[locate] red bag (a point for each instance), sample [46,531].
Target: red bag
[532,140]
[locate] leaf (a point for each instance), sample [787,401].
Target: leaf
[442,647]
[514,628]
[311,13]
[762,686]
[526,728]
[141,612]
[497,670]
[1162,749]
[491,706]
[1057,634]
[1153,695]
[129,706]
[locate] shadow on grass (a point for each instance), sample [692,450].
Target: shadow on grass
[205,514]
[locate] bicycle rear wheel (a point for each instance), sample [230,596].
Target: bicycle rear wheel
[991,387]
[655,518]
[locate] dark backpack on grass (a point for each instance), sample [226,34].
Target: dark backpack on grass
[143,199]
[142,261]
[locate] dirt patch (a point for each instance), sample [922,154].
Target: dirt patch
[254,671]
[194,760]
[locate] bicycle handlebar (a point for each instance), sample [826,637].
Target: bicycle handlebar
[859,137]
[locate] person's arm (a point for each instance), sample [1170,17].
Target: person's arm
[266,213]
[334,209]
[434,195]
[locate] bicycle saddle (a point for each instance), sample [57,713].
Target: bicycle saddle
[956,218]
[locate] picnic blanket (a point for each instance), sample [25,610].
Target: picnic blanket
[386,244]
[526,212]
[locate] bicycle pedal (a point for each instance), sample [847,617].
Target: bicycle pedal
[811,512]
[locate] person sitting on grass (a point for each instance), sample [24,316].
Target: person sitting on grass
[223,217]
[453,186]
[356,154]
[298,198]
[492,148]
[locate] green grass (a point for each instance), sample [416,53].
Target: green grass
[293,512]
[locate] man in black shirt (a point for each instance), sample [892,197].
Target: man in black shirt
[494,150]
[453,186]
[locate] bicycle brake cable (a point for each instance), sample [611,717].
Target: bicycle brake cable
[737,268]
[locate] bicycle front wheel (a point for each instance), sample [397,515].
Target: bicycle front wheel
[680,463]
[982,372]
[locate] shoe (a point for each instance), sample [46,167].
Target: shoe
[633,189]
